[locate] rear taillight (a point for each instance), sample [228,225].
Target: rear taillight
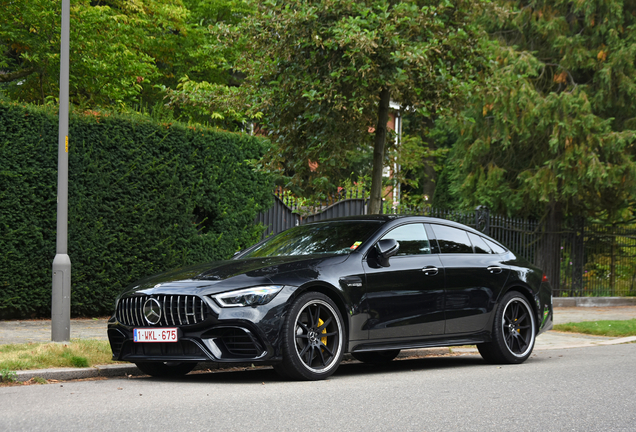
[544,278]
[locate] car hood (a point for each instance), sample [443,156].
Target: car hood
[222,276]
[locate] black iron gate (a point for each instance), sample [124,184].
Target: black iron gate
[590,260]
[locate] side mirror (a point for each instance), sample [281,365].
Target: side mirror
[386,249]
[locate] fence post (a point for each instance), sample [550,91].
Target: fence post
[482,219]
[578,259]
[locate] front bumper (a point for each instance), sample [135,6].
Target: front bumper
[245,334]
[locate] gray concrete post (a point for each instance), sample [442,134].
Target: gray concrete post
[61,292]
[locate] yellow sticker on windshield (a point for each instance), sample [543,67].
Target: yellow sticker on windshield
[355,245]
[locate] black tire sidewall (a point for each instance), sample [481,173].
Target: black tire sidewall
[292,364]
[504,353]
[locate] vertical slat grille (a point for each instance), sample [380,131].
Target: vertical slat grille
[171,309]
[138,311]
[179,309]
[176,310]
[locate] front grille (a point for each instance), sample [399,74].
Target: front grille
[176,310]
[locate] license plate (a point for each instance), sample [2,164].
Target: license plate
[155,335]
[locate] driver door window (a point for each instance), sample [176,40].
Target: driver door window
[412,239]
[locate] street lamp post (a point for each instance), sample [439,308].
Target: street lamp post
[61,292]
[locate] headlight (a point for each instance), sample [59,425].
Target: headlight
[248,297]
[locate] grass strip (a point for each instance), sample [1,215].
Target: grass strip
[621,328]
[79,353]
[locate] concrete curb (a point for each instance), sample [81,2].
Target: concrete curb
[619,341]
[61,374]
[593,301]
[113,371]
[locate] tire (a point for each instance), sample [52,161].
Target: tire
[165,369]
[513,333]
[376,357]
[313,339]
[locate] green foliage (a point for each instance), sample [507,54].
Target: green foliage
[109,48]
[553,127]
[8,375]
[421,155]
[122,53]
[75,360]
[314,71]
[143,197]
[79,353]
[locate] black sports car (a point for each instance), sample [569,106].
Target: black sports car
[369,285]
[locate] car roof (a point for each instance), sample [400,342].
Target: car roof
[424,219]
[391,217]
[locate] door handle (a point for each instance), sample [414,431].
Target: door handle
[494,269]
[430,270]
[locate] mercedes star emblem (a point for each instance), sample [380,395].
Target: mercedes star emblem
[152,311]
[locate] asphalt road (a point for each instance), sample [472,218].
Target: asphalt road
[557,390]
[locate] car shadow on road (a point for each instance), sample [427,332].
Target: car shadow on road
[265,374]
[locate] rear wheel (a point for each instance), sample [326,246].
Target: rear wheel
[376,357]
[513,333]
[165,369]
[313,338]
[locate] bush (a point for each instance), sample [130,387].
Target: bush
[143,198]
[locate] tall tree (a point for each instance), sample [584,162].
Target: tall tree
[321,74]
[552,132]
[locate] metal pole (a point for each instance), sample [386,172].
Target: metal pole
[61,293]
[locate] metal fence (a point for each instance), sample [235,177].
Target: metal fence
[592,260]
[599,260]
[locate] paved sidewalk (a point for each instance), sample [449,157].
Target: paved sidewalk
[25,331]
[564,315]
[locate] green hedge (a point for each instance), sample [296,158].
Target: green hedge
[143,197]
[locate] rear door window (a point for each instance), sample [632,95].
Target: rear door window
[479,244]
[452,240]
[495,247]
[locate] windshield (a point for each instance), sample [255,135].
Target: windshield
[341,237]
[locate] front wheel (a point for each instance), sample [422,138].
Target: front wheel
[165,369]
[513,332]
[313,338]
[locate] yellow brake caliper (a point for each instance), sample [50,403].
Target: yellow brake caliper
[323,339]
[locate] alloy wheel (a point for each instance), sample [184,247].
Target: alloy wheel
[318,336]
[518,327]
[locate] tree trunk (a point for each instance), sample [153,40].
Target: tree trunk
[549,251]
[375,202]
